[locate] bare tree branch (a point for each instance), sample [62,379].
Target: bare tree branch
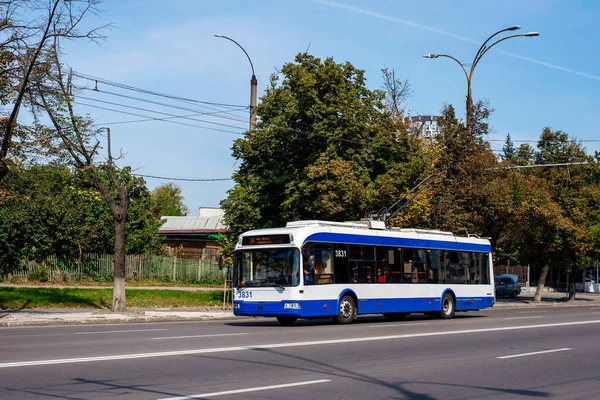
[47,22]
[397,92]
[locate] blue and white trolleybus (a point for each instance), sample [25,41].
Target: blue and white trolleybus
[318,269]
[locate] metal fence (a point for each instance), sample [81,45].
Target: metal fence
[519,270]
[100,267]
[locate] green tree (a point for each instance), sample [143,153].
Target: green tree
[29,29]
[525,155]
[325,147]
[168,200]
[553,222]
[508,150]
[51,210]
[466,199]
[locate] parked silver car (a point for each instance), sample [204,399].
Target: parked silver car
[507,285]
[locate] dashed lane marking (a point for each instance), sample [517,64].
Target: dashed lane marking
[254,389]
[123,331]
[535,353]
[199,336]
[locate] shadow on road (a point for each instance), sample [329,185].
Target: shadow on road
[290,362]
[367,319]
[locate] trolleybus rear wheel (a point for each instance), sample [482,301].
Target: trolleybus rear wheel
[448,307]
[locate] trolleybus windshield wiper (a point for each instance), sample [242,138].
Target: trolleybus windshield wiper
[270,282]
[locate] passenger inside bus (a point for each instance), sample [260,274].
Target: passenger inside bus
[309,270]
[383,270]
[430,275]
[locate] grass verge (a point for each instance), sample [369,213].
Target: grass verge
[12,298]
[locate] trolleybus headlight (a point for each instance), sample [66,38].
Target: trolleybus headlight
[236,306]
[294,306]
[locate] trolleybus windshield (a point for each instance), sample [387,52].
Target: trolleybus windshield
[267,267]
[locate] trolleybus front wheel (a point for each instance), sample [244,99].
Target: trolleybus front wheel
[347,310]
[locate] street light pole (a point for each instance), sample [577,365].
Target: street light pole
[253,84]
[482,50]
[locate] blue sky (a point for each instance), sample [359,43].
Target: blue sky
[551,80]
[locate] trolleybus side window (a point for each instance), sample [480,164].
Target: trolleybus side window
[415,265]
[389,265]
[319,256]
[340,263]
[432,271]
[362,264]
[460,267]
[479,268]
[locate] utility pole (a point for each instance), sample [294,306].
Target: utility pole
[253,84]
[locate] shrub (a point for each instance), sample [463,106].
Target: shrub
[39,274]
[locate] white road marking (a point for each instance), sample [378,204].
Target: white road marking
[535,353]
[531,316]
[254,389]
[531,312]
[595,312]
[284,345]
[198,336]
[123,331]
[398,324]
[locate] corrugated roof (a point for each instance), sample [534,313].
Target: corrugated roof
[192,224]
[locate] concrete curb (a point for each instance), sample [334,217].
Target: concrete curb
[49,318]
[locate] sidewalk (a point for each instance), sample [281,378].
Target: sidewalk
[549,299]
[37,317]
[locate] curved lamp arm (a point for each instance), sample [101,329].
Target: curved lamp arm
[458,62]
[483,47]
[240,46]
[528,34]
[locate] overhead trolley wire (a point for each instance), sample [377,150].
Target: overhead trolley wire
[133,88]
[159,119]
[157,112]
[214,113]
[185,179]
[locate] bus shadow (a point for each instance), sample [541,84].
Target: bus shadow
[367,319]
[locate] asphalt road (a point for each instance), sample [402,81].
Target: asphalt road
[495,354]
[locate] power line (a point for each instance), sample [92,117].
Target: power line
[172,116]
[536,141]
[185,179]
[149,119]
[159,119]
[329,138]
[136,89]
[541,165]
[157,112]
[216,111]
